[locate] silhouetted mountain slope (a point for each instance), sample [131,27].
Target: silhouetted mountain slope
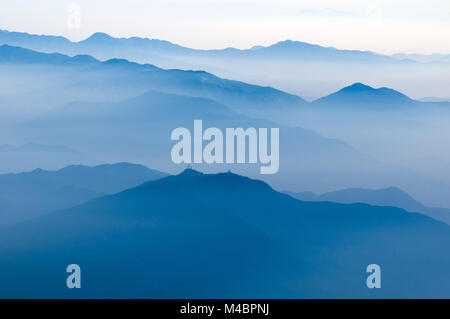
[132,79]
[223,236]
[72,78]
[360,95]
[27,195]
[391,196]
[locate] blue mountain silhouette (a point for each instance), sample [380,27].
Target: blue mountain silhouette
[391,196]
[120,78]
[287,65]
[30,194]
[114,76]
[105,46]
[224,236]
[360,95]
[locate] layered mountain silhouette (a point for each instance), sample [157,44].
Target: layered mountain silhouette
[139,130]
[139,233]
[119,78]
[223,235]
[287,65]
[27,195]
[391,196]
[38,91]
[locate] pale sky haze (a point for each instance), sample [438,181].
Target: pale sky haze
[381,26]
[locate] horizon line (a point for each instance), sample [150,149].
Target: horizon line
[217,49]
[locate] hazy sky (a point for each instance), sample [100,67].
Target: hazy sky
[385,26]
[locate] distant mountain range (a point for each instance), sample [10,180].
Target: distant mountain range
[118,76]
[242,97]
[99,42]
[141,233]
[139,130]
[391,196]
[27,195]
[126,111]
[223,236]
[104,46]
[176,98]
[286,65]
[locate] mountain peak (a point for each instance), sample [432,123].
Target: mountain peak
[190,172]
[293,44]
[99,37]
[362,95]
[358,86]
[224,180]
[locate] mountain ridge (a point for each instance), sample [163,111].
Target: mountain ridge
[356,93]
[391,196]
[289,61]
[58,189]
[222,235]
[105,37]
[200,83]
